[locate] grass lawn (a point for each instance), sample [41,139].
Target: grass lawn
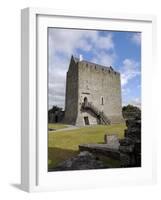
[64,144]
[56,126]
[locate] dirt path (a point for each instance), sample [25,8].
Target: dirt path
[70,127]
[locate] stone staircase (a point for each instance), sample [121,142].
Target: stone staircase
[99,114]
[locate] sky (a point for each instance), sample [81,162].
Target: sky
[121,50]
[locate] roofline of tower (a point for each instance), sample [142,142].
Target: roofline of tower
[98,65]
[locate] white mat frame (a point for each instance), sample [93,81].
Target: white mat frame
[29,108]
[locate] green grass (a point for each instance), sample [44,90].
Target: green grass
[56,126]
[65,144]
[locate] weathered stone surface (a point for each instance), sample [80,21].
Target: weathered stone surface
[126,141]
[127,151]
[127,160]
[112,141]
[133,123]
[95,84]
[101,149]
[130,146]
[127,148]
[82,161]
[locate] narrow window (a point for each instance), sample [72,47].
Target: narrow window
[102,103]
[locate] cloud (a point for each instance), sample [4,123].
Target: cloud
[56,88]
[104,42]
[136,38]
[55,100]
[65,42]
[129,70]
[126,91]
[135,102]
[104,52]
[104,58]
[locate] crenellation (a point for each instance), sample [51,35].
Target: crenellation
[96,67]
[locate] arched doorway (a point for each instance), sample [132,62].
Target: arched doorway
[85,100]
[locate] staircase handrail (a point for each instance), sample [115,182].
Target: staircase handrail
[100,114]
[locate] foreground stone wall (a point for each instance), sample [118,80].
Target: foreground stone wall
[126,151]
[100,149]
[82,161]
[130,146]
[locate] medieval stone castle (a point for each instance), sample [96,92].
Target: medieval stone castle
[93,94]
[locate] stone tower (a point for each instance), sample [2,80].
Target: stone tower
[93,94]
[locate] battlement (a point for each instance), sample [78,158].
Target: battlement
[95,67]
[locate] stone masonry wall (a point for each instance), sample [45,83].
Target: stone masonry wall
[100,85]
[71,100]
[130,146]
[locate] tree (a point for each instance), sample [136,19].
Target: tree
[54,109]
[55,114]
[130,111]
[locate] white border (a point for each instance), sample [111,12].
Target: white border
[34,76]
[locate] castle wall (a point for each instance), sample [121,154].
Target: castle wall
[101,86]
[71,100]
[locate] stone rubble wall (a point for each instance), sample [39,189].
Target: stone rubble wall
[127,150]
[130,146]
[84,160]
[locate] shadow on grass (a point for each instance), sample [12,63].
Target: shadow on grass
[57,155]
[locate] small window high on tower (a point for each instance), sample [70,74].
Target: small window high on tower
[102,101]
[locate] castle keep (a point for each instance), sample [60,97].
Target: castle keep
[93,94]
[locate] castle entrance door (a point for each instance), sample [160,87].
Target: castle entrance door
[86,120]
